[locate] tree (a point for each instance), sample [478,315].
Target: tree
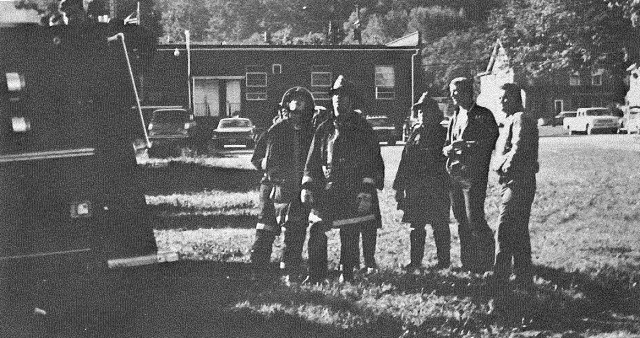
[545,37]
[459,53]
[436,21]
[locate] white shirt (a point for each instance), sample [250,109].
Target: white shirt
[462,119]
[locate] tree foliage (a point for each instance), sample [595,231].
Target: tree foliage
[542,37]
[547,36]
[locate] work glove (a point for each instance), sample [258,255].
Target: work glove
[306,196]
[400,199]
[364,201]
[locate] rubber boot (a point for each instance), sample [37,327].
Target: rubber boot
[442,238]
[261,253]
[369,239]
[318,259]
[294,238]
[417,238]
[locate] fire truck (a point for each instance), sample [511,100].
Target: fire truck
[74,226]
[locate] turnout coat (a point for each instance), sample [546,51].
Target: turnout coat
[344,160]
[281,153]
[422,176]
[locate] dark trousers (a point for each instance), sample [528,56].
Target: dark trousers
[513,228]
[477,246]
[441,236]
[350,246]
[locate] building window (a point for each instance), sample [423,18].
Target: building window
[558,106]
[574,79]
[596,77]
[276,68]
[320,82]
[256,83]
[596,80]
[385,83]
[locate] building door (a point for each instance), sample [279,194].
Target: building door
[206,97]
[558,106]
[233,102]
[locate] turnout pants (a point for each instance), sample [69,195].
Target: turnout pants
[266,229]
[293,217]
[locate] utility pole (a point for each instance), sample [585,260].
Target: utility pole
[357,33]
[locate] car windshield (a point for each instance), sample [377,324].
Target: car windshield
[235,123]
[599,112]
[169,116]
[378,121]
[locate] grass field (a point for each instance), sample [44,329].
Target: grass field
[586,250]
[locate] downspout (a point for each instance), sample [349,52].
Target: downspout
[413,68]
[187,37]
[413,76]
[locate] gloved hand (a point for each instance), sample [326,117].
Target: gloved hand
[306,196]
[400,199]
[364,202]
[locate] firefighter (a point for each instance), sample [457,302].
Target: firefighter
[421,184]
[341,175]
[471,137]
[69,12]
[281,152]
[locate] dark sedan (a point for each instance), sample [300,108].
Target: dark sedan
[173,131]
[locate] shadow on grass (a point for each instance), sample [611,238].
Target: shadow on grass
[198,299]
[560,301]
[179,177]
[205,299]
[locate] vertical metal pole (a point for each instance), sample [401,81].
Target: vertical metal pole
[187,36]
[133,84]
[112,9]
[138,14]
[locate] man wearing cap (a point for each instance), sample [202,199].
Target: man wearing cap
[516,164]
[281,152]
[343,170]
[421,184]
[471,138]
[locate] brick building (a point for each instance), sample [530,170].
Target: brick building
[223,80]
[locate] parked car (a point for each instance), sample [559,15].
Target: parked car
[622,118]
[633,120]
[234,131]
[172,132]
[558,119]
[589,120]
[384,129]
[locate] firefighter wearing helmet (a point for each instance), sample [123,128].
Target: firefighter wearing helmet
[281,153]
[342,173]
